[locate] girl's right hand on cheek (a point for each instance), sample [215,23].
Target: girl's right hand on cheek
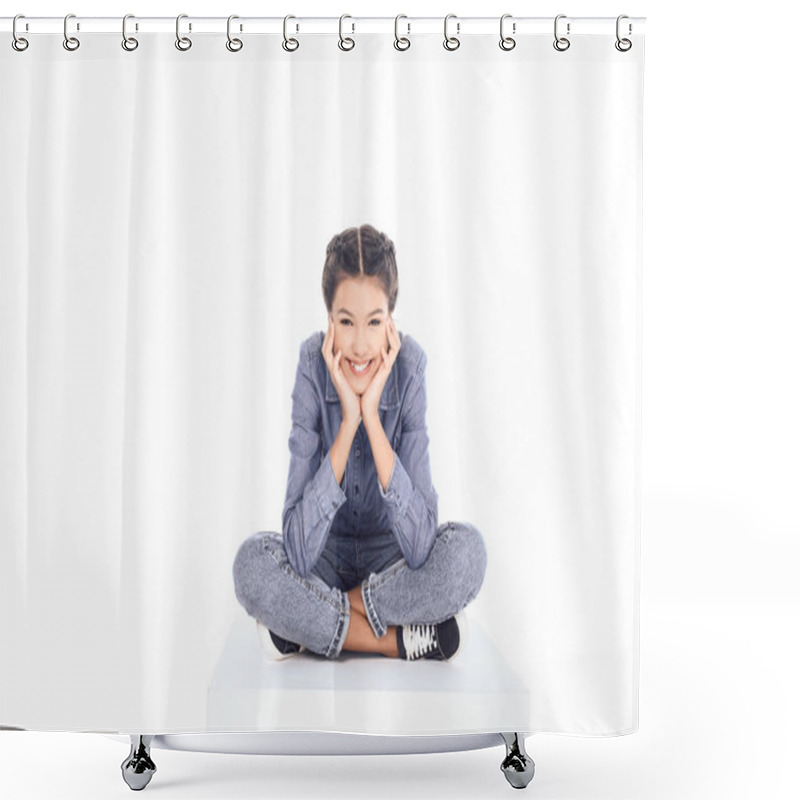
[351,403]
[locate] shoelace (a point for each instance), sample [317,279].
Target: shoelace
[419,640]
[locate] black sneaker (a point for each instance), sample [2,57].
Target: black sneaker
[442,642]
[276,647]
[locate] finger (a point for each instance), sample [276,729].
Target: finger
[395,346]
[326,341]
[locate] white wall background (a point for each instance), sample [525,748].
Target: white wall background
[721,443]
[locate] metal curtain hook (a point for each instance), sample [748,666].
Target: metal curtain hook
[350,43]
[234,45]
[623,45]
[181,42]
[451,42]
[70,42]
[290,45]
[561,43]
[18,43]
[128,42]
[404,43]
[506,42]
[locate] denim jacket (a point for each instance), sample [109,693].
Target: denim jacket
[316,506]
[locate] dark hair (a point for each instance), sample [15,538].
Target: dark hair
[360,251]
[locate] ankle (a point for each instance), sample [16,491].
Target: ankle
[356,602]
[392,650]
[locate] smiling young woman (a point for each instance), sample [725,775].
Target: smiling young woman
[362,563]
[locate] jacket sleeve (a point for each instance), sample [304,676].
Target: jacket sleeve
[411,500]
[313,495]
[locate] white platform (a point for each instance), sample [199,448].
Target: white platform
[476,693]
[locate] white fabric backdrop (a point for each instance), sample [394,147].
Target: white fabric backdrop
[164,222]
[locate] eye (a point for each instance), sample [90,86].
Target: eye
[345,322]
[375,322]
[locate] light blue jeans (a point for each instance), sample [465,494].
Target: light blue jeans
[315,611]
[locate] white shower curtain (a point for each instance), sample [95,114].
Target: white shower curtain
[165,217]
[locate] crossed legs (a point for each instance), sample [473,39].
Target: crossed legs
[311,612]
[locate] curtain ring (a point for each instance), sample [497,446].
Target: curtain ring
[18,43]
[561,43]
[234,45]
[128,42]
[450,42]
[406,43]
[290,45]
[70,42]
[181,42]
[623,45]
[342,41]
[506,42]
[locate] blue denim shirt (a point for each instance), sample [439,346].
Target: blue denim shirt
[316,506]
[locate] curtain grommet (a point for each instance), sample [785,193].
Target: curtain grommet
[183,43]
[506,42]
[451,42]
[70,42]
[19,43]
[233,45]
[342,39]
[129,43]
[561,43]
[401,43]
[289,44]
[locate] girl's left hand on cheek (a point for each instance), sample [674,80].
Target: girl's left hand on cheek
[372,394]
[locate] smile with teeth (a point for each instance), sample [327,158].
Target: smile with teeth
[359,369]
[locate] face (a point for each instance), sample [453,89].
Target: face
[360,314]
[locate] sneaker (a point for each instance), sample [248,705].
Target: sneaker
[442,642]
[275,646]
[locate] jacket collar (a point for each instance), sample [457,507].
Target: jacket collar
[389,398]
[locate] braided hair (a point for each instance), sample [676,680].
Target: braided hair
[360,251]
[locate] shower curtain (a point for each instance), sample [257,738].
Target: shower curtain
[167,212]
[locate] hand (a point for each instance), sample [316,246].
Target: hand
[351,406]
[372,394]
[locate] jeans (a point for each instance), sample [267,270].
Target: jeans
[315,610]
